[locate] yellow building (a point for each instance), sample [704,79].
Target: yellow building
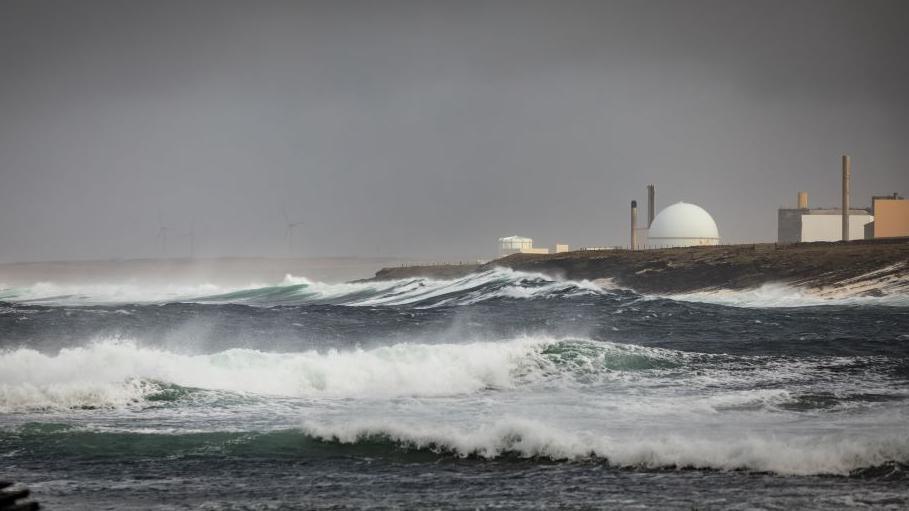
[891,217]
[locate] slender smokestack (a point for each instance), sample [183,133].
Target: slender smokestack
[803,200]
[847,174]
[634,223]
[650,195]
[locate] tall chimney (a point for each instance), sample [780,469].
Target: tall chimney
[634,223]
[803,200]
[650,196]
[847,174]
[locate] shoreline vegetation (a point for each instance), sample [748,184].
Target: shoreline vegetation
[861,267]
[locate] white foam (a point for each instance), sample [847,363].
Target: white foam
[112,293]
[531,396]
[784,295]
[885,286]
[473,288]
[783,451]
[103,374]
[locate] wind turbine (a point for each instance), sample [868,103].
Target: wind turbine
[289,231]
[191,236]
[162,234]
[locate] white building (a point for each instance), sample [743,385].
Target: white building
[682,225]
[806,225]
[518,245]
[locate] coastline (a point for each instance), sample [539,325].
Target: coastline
[863,267]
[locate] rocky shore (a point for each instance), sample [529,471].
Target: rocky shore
[864,267]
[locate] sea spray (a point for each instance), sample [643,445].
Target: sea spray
[489,285]
[107,371]
[474,288]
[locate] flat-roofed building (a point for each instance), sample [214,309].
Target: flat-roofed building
[518,245]
[891,217]
[820,224]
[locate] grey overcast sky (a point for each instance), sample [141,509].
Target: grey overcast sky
[429,129]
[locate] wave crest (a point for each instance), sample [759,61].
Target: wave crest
[838,453]
[117,373]
[887,286]
[499,283]
[835,453]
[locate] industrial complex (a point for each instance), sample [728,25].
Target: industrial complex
[887,217]
[688,225]
[521,245]
[679,225]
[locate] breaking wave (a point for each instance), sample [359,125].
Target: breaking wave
[117,373]
[796,454]
[833,453]
[887,287]
[530,397]
[51,293]
[114,373]
[493,284]
[778,295]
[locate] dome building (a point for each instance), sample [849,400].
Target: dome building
[683,225]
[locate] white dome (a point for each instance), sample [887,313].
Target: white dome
[683,225]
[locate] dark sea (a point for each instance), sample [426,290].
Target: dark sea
[501,390]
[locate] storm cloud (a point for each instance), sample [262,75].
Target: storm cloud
[429,129]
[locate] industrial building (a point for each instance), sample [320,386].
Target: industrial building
[518,245]
[679,225]
[804,224]
[683,225]
[887,217]
[521,245]
[819,224]
[891,217]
